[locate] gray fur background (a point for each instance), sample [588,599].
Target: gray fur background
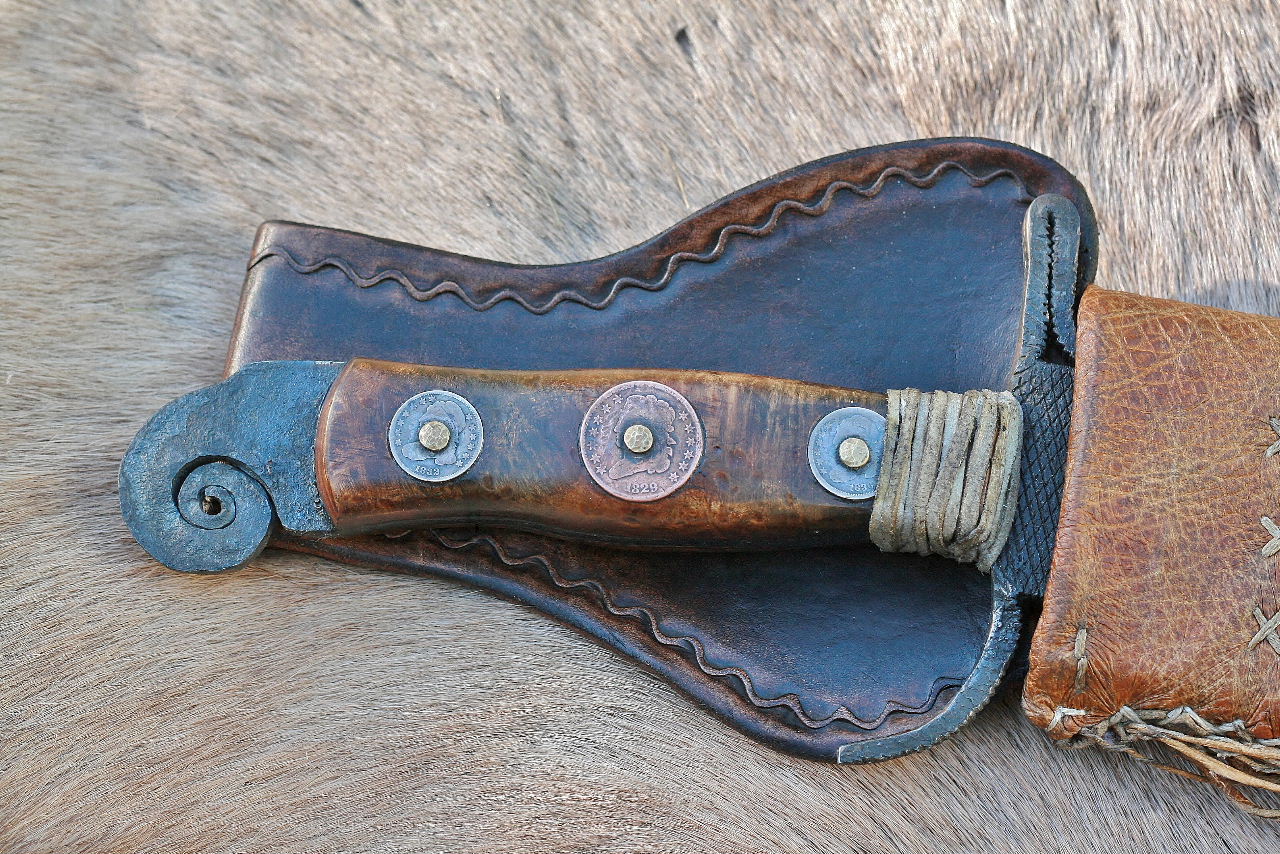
[303,706]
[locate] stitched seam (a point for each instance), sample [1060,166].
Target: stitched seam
[1181,716]
[567,294]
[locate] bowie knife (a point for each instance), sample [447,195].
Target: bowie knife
[643,459]
[674,459]
[699,491]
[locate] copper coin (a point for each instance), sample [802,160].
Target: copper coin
[655,469]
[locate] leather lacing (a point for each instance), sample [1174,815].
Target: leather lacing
[949,479]
[1226,755]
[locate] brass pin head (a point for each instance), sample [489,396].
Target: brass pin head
[435,436]
[854,452]
[638,439]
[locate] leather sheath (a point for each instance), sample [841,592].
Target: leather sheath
[1165,586]
[891,267]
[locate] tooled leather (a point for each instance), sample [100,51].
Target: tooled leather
[922,179]
[852,630]
[422,552]
[1163,576]
[689,643]
[485,294]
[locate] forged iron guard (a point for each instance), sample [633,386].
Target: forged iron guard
[945,264]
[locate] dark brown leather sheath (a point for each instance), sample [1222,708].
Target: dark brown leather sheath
[892,267]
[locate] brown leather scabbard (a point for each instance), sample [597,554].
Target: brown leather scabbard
[1161,619]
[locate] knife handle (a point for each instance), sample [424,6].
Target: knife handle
[723,463]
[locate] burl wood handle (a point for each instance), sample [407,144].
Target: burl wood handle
[722,464]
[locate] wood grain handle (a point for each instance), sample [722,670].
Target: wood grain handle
[749,485]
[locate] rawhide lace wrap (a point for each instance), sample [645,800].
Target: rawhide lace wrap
[949,479]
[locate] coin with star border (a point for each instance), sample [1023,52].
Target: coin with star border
[662,467]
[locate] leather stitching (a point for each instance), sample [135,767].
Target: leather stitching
[1267,627]
[1271,548]
[1275,446]
[1226,755]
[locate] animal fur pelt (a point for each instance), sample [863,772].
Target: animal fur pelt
[299,705]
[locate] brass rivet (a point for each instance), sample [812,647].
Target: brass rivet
[854,452]
[638,439]
[435,436]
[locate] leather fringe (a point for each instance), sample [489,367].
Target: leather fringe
[1225,755]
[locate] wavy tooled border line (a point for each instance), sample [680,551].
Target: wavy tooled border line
[689,643]
[813,209]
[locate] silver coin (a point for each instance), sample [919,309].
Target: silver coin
[669,454]
[836,477]
[466,435]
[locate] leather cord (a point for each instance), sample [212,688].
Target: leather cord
[949,481]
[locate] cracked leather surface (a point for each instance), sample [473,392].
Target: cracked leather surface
[1162,579]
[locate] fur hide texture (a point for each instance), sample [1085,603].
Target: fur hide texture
[300,705]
